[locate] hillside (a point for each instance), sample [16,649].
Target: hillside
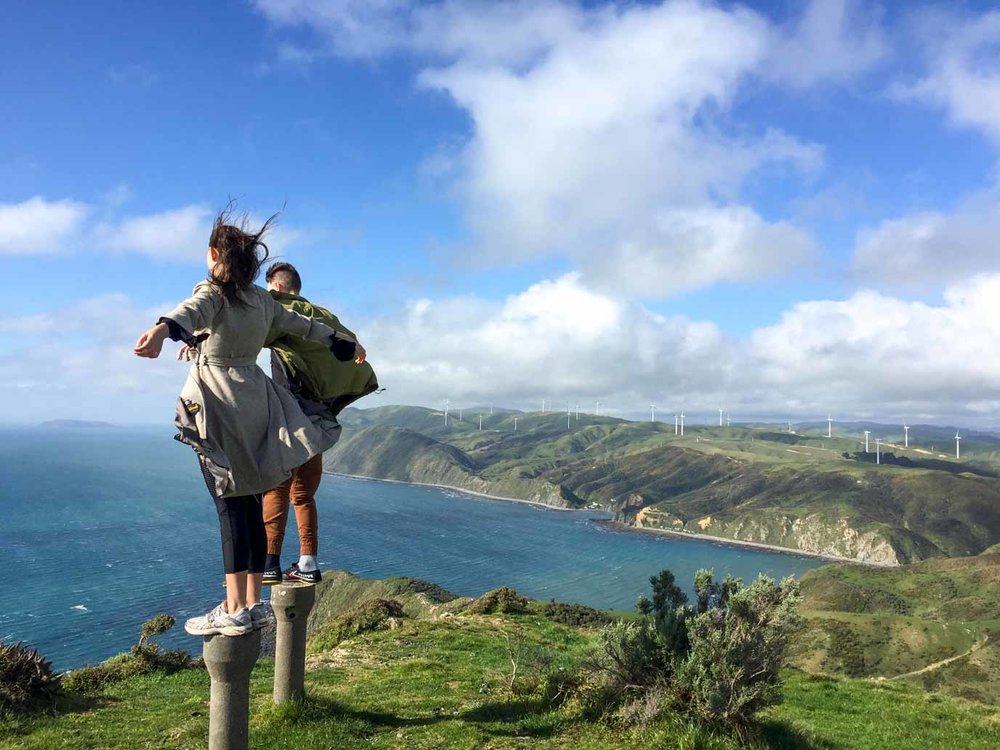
[797,490]
[935,624]
[434,675]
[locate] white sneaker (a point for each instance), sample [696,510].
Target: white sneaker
[261,615]
[220,622]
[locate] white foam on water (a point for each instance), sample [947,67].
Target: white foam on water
[80,607]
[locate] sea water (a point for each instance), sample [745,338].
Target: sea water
[100,529]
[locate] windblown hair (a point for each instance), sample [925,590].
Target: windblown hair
[287,274]
[242,252]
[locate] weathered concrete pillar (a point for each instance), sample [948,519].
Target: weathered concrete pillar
[292,603]
[230,661]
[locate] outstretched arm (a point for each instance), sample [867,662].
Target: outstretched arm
[342,344]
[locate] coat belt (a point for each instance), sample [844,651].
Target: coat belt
[227,361]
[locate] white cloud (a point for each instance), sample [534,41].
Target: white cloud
[963,75]
[179,234]
[38,226]
[832,40]
[598,131]
[870,355]
[926,250]
[877,354]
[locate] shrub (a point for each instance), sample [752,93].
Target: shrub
[738,644]
[436,594]
[145,657]
[26,678]
[718,660]
[576,615]
[499,601]
[376,614]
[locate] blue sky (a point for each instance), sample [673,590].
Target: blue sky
[779,207]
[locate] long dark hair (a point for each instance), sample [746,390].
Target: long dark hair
[241,250]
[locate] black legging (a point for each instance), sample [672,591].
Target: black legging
[241,520]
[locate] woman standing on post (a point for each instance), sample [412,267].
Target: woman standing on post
[248,434]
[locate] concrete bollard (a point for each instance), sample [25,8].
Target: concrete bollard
[291,603]
[230,661]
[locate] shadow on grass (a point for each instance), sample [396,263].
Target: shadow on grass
[529,718]
[320,709]
[778,735]
[24,723]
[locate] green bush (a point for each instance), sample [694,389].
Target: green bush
[436,594]
[737,648]
[501,601]
[576,615]
[717,660]
[376,614]
[145,657]
[26,679]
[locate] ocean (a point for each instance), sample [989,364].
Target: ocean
[100,529]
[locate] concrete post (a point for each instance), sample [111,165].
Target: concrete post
[230,661]
[292,603]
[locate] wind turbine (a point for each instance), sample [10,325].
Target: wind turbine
[676,431]
[515,424]
[720,416]
[569,413]
[652,412]
[543,406]
[597,408]
[829,426]
[682,424]
[491,408]
[577,411]
[906,436]
[447,403]
[461,409]
[867,433]
[729,422]
[480,422]
[789,428]
[958,447]
[878,450]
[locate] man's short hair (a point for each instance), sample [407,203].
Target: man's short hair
[286,274]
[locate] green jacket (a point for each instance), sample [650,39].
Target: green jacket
[311,367]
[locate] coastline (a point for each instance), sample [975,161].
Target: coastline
[464,491]
[618,526]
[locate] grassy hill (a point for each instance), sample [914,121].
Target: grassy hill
[935,624]
[757,484]
[435,675]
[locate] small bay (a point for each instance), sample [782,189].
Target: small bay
[101,529]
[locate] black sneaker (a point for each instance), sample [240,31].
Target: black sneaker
[272,576]
[294,574]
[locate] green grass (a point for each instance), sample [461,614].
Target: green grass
[443,683]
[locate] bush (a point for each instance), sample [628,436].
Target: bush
[737,648]
[145,657]
[26,679]
[501,601]
[576,615]
[376,614]
[436,594]
[718,660]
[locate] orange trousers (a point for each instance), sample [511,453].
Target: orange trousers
[299,490]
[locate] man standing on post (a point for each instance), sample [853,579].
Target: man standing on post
[323,386]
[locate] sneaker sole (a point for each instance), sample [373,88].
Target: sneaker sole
[229,630]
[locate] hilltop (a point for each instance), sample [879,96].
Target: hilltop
[402,663]
[796,490]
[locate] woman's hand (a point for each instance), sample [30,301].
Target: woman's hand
[361,354]
[151,342]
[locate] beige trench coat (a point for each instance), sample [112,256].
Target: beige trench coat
[250,433]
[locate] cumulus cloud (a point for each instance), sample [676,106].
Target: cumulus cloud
[598,131]
[963,70]
[38,226]
[880,355]
[928,249]
[867,356]
[179,234]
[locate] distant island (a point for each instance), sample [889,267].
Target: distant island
[77,424]
[792,487]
